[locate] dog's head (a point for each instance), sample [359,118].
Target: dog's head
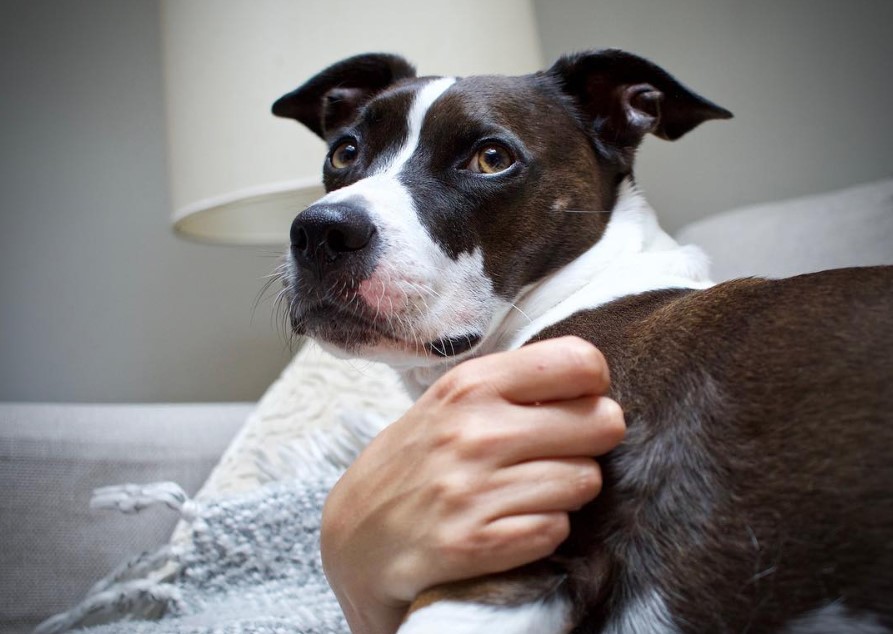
[447,197]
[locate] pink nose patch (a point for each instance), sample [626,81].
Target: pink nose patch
[381,294]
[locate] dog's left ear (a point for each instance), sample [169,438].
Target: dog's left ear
[623,97]
[329,100]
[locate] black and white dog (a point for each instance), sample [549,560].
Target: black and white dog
[754,490]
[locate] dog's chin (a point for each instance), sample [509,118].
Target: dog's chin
[348,334]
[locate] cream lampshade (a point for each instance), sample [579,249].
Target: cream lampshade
[238,174]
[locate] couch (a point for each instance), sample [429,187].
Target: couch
[53,547]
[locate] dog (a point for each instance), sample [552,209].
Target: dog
[754,489]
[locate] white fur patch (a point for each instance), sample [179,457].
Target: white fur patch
[834,618]
[423,101]
[453,617]
[647,614]
[633,256]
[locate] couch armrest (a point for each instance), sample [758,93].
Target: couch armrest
[52,546]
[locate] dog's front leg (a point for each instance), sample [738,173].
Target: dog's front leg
[530,600]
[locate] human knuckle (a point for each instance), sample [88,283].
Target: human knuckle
[461,437]
[459,547]
[454,490]
[587,481]
[479,440]
[584,358]
[612,419]
[456,385]
[556,530]
[447,434]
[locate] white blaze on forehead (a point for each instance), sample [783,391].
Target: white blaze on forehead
[385,195]
[388,201]
[423,101]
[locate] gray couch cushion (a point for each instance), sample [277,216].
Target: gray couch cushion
[849,227]
[52,546]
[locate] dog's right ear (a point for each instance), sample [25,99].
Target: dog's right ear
[331,99]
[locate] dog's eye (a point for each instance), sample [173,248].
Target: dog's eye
[344,155]
[491,159]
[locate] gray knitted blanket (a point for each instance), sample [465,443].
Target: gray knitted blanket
[251,565]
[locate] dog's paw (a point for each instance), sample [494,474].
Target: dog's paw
[452,617]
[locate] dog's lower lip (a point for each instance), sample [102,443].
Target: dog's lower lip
[348,329]
[333,323]
[326,315]
[452,346]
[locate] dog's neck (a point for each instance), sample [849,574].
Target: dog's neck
[634,255]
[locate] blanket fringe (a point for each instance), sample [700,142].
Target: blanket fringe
[127,591]
[140,598]
[141,587]
[138,567]
[133,498]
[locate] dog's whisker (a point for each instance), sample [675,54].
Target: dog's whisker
[425,304]
[282,293]
[278,275]
[422,295]
[408,301]
[586,211]
[427,288]
[523,314]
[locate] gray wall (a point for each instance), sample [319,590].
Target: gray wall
[808,81]
[99,301]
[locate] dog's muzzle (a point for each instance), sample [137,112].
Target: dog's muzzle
[346,289]
[328,237]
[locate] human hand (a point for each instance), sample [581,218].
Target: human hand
[476,478]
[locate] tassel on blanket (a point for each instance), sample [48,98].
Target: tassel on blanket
[262,546]
[128,591]
[139,567]
[135,599]
[133,498]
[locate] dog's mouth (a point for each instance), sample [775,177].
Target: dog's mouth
[453,346]
[338,325]
[351,329]
[407,314]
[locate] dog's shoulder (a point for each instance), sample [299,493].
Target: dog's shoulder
[761,344]
[855,303]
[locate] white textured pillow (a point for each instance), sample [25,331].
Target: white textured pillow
[314,392]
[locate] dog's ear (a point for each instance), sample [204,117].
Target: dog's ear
[330,100]
[623,97]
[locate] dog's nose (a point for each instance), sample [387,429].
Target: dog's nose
[323,233]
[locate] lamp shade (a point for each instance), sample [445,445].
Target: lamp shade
[239,175]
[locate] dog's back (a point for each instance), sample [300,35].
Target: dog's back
[755,481]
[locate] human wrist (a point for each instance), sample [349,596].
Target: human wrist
[367,615]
